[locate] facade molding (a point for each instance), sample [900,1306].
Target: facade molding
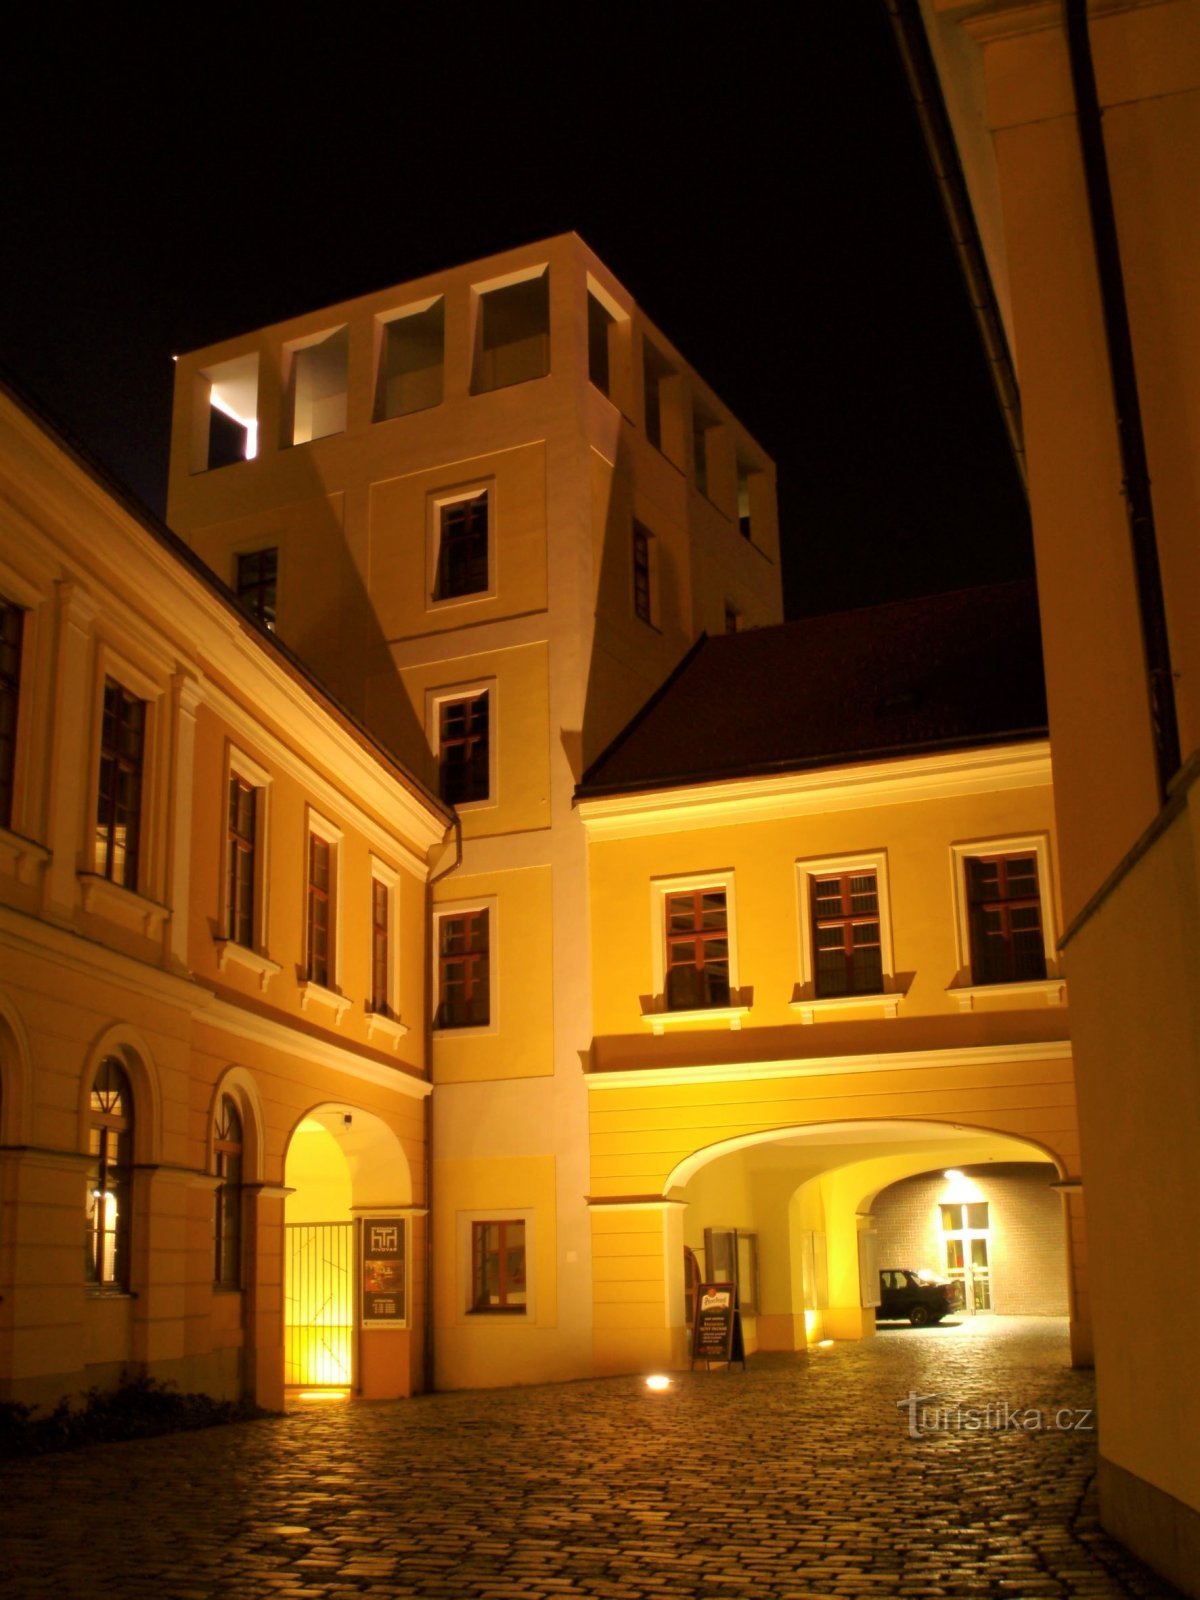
[738,801]
[995,1055]
[228,1018]
[83,956]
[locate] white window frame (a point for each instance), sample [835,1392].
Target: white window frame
[329,995]
[254,958]
[465,1315]
[386,1024]
[658,1017]
[436,501]
[458,908]
[806,1003]
[435,699]
[1051,988]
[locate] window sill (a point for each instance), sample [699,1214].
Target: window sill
[1052,990]
[470,1029]
[813,1010]
[496,1311]
[241,955]
[714,1016]
[21,858]
[121,905]
[446,602]
[317,993]
[389,1027]
[108,1291]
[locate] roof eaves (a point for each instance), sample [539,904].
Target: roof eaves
[842,758]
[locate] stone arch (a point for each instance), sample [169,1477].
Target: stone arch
[850,1131]
[797,1184]
[379,1168]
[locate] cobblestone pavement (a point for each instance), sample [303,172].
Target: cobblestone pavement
[797,1479]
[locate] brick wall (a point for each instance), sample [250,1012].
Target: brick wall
[1026,1241]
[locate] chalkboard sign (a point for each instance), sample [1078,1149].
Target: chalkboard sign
[383,1272]
[717,1325]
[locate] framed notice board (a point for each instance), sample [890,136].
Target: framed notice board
[717,1325]
[384,1272]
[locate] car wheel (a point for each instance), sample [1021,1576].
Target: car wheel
[919,1316]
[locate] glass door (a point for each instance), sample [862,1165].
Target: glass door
[965,1232]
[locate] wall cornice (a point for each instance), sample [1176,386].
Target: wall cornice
[997,1055]
[737,801]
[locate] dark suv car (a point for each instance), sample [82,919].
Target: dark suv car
[912,1295]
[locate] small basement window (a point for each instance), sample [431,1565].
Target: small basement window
[512,337]
[225,417]
[318,385]
[411,360]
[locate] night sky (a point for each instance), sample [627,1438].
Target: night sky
[754,175]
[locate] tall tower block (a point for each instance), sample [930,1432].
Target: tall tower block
[492,508]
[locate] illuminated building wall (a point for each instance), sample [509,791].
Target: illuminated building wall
[1127,822]
[855,1029]
[179,988]
[494,509]
[503,506]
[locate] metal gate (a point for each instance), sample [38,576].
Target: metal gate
[319,1304]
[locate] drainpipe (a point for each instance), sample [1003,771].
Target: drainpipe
[1131,440]
[427,1344]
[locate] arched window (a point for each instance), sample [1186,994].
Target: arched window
[109,1189]
[227,1220]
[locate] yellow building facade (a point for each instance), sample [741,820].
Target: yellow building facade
[847,1031]
[506,1040]
[213,889]
[501,507]
[1077,130]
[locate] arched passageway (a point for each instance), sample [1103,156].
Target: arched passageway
[350,1237]
[789,1214]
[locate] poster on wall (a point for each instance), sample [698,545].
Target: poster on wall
[384,1303]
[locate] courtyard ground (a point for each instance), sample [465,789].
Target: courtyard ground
[800,1478]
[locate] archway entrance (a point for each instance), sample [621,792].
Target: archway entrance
[792,1212]
[348,1254]
[318,1262]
